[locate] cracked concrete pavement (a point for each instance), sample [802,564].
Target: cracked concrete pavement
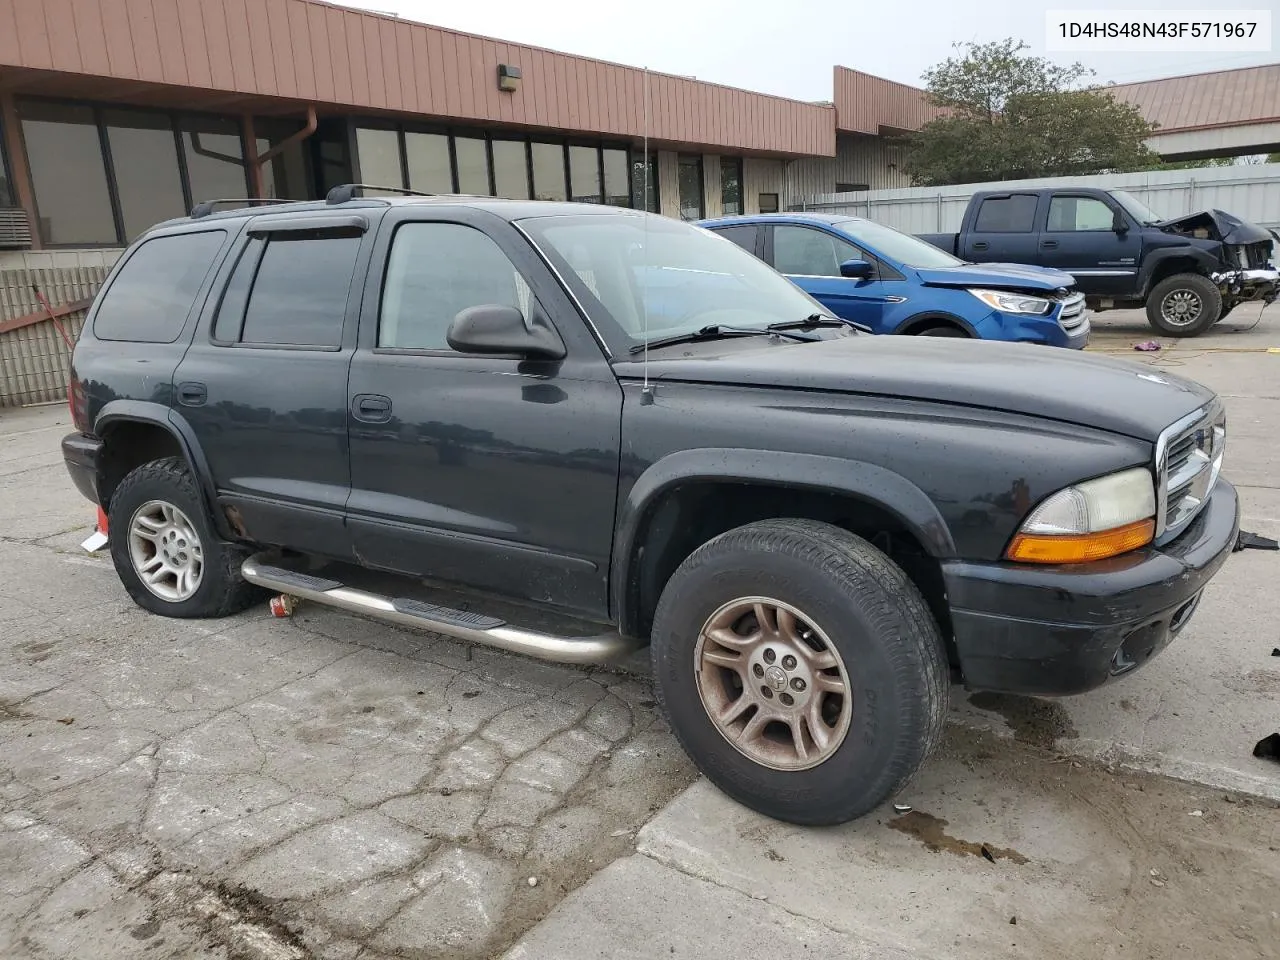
[328,787]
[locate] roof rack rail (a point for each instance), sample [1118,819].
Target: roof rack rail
[206,207]
[347,191]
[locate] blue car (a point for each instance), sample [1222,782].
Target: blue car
[890,282]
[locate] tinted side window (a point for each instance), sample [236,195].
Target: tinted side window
[745,237]
[299,293]
[436,270]
[150,298]
[807,252]
[1079,213]
[1016,214]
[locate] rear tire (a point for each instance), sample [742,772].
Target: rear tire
[1184,305]
[165,550]
[838,615]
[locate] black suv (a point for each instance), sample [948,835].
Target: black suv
[566,430]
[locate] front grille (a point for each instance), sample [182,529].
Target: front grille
[1073,312]
[1188,461]
[1253,256]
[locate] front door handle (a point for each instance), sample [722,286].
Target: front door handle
[192,394]
[980,245]
[371,408]
[1048,244]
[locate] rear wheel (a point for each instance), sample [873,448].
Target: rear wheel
[165,550]
[1184,305]
[801,670]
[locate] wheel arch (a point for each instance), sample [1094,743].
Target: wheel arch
[1162,264]
[144,431]
[935,318]
[689,497]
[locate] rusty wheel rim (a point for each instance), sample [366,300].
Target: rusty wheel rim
[773,683]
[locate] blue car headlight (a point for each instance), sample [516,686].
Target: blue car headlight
[1007,302]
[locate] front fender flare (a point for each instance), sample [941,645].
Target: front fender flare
[868,482]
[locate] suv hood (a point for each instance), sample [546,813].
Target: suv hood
[1216,225]
[1065,385]
[1002,276]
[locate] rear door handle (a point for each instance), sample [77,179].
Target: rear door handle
[1048,244]
[192,394]
[371,408]
[980,245]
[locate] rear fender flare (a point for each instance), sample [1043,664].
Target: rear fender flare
[158,415]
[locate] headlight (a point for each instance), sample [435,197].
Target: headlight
[1090,521]
[1007,302]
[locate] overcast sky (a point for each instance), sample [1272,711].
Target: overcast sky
[788,47]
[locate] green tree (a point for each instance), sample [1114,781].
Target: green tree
[1010,116]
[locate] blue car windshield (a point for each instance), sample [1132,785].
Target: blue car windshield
[642,276]
[896,246]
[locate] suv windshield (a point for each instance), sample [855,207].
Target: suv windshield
[1136,208]
[898,247]
[643,276]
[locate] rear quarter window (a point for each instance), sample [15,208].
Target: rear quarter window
[1015,214]
[149,299]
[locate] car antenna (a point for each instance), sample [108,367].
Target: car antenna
[646,392]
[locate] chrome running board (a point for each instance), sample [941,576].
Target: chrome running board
[460,624]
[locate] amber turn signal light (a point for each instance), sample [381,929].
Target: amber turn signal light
[1082,547]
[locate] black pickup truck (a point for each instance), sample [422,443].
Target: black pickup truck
[1189,273]
[568,430]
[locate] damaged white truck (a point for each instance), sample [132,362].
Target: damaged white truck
[1188,272]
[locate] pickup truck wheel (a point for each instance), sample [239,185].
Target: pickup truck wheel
[1184,305]
[165,550]
[800,669]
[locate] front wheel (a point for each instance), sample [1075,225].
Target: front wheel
[942,331]
[165,550]
[800,669]
[1184,305]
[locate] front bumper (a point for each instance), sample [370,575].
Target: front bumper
[81,453]
[1255,284]
[1064,630]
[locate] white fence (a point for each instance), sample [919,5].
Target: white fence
[1250,192]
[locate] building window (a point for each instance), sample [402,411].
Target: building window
[473,166]
[731,185]
[68,173]
[144,158]
[549,181]
[617,180]
[215,157]
[692,206]
[768,203]
[510,169]
[643,186]
[6,191]
[427,157]
[852,187]
[287,175]
[584,174]
[379,153]
[104,175]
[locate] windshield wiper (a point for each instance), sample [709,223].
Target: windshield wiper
[717,331]
[817,320]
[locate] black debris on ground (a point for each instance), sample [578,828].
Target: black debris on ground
[1268,748]
[1252,541]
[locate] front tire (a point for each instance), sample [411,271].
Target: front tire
[942,331]
[1184,305]
[165,550]
[801,670]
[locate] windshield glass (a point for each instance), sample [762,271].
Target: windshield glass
[898,247]
[1136,208]
[643,276]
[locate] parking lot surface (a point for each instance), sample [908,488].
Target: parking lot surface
[329,787]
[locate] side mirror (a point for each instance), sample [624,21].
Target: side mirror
[491,328]
[857,269]
[1118,223]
